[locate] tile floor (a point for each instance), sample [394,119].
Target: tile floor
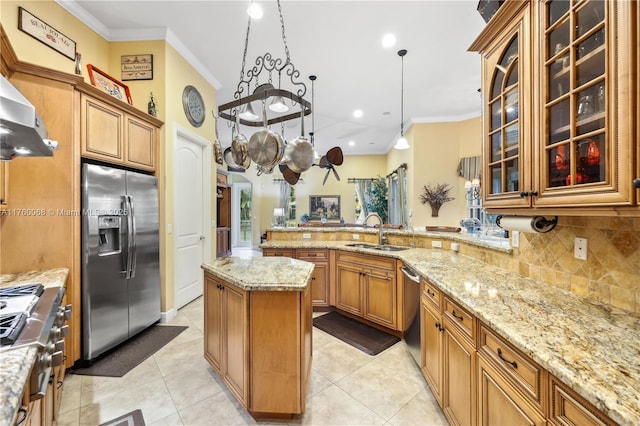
[176,386]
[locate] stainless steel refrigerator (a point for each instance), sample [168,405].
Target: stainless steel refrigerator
[120,256]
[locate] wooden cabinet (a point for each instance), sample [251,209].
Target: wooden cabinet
[512,388]
[366,286]
[558,107]
[568,408]
[223,216]
[431,338]
[262,354]
[227,334]
[499,403]
[279,252]
[320,278]
[459,364]
[110,134]
[4,185]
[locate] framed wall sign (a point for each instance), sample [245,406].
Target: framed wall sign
[324,206]
[46,34]
[136,67]
[109,85]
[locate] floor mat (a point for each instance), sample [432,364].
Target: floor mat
[120,360]
[366,338]
[133,418]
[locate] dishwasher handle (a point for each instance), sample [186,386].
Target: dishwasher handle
[410,273]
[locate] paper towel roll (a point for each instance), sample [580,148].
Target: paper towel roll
[526,223]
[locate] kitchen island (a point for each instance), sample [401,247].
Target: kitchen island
[16,364]
[258,321]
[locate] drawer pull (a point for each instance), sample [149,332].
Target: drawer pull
[461,318]
[312,254]
[513,363]
[439,326]
[431,293]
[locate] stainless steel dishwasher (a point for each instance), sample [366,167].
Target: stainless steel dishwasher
[411,311]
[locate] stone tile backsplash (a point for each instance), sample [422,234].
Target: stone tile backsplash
[611,273]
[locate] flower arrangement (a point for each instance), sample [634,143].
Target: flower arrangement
[436,196]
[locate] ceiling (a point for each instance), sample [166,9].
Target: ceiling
[338,41]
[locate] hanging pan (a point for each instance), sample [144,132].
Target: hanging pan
[265,147]
[299,153]
[239,147]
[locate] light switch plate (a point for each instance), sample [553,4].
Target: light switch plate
[580,248]
[305,235]
[436,244]
[515,238]
[355,236]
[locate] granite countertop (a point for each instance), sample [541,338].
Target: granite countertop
[262,273]
[593,348]
[16,364]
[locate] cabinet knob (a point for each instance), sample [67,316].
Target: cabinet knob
[636,183]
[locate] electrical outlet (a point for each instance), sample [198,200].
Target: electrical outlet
[515,239]
[580,248]
[436,244]
[355,236]
[305,235]
[455,247]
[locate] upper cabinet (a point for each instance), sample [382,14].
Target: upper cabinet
[111,134]
[558,85]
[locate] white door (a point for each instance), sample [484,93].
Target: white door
[192,213]
[241,214]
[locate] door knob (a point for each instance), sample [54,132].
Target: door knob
[636,183]
[201,237]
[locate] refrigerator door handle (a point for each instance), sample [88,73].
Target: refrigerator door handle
[127,210]
[133,232]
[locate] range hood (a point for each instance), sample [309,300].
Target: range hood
[22,132]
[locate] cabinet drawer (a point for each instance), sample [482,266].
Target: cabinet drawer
[521,371]
[312,254]
[460,318]
[277,252]
[431,295]
[364,261]
[568,408]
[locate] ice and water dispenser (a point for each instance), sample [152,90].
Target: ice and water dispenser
[109,235]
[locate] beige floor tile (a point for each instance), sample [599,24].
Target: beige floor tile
[336,360]
[398,358]
[172,358]
[69,417]
[381,389]
[171,420]
[220,409]
[71,393]
[422,410]
[333,406]
[152,398]
[317,383]
[191,385]
[320,338]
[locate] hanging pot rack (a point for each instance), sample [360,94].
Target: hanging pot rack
[264,92]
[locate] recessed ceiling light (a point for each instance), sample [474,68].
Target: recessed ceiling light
[255,11]
[357,113]
[389,40]
[351,143]
[386,113]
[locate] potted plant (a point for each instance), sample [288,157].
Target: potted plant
[378,198]
[436,196]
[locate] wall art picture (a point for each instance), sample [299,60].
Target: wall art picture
[109,85]
[324,207]
[46,34]
[136,67]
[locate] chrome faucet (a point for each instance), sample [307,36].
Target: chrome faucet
[381,238]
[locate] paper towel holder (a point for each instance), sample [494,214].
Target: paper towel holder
[538,223]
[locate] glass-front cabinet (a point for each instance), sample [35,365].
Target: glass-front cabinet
[562,135]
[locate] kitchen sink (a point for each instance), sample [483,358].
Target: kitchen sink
[390,248]
[362,245]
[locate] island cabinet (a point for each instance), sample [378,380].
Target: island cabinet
[111,134]
[259,342]
[223,215]
[366,287]
[558,81]
[569,408]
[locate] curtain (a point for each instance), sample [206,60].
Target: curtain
[470,168]
[362,192]
[285,190]
[392,202]
[402,196]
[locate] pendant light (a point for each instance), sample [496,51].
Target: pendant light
[402,142]
[247,113]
